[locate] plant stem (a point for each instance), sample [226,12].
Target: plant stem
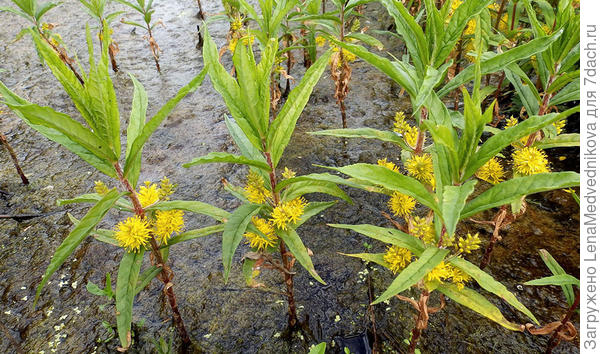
[514,13]
[200,12]
[62,56]
[554,340]
[13,156]
[499,15]
[422,320]
[166,274]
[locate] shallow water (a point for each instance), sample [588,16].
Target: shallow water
[229,317]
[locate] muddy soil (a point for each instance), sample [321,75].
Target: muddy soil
[230,318]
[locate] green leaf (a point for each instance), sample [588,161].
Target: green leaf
[283,126]
[524,87]
[137,119]
[121,204]
[490,284]
[567,94]
[129,270]
[391,236]
[319,177]
[301,188]
[226,157]
[507,191]
[478,303]
[562,140]
[294,243]
[369,257]
[561,279]
[318,349]
[312,209]
[414,272]
[499,62]
[366,133]
[234,231]
[193,206]
[454,199]
[196,233]
[248,270]
[391,180]
[146,277]
[77,235]
[156,120]
[245,146]
[106,236]
[556,269]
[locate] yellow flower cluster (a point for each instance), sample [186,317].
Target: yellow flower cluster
[167,223]
[100,188]
[255,188]
[287,173]
[388,164]
[401,204]
[320,41]
[421,168]
[133,233]
[491,172]
[288,213]
[445,271]
[422,228]
[166,189]
[468,244]
[236,24]
[348,56]
[397,258]
[245,40]
[261,242]
[511,122]
[560,125]
[530,161]
[410,134]
[148,194]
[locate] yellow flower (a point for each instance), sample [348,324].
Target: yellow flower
[236,24]
[411,136]
[401,204]
[287,173]
[148,194]
[491,172]
[288,213]
[400,124]
[387,164]
[167,223]
[422,228]
[258,241]
[255,188]
[347,56]
[166,189]
[459,277]
[560,125]
[467,244]
[421,168]
[511,122]
[232,44]
[530,161]
[132,233]
[397,258]
[441,272]
[100,188]
[320,41]
[546,29]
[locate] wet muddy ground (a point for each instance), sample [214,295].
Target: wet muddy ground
[229,318]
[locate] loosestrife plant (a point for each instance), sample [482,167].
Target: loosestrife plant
[96,9]
[156,223]
[273,206]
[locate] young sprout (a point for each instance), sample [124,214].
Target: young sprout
[144,8]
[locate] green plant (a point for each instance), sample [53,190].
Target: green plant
[145,9]
[425,251]
[157,219]
[270,212]
[96,9]
[33,12]
[563,329]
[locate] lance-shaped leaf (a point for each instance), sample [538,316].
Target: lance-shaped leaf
[312,209]
[499,62]
[319,177]
[137,119]
[478,303]
[561,279]
[382,176]
[556,269]
[282,128]
[193,206]
[454,199]
[318,349]
[214,157]
[366,133]
[414,272]
[121,204]
[77,235]
[154,122]
[490,284]
[233,232]
[146,277]
[562,140]
[296,246]
[301,188]
[194,234]
[129,270]
[507,191]
[391,236]
[369,257]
